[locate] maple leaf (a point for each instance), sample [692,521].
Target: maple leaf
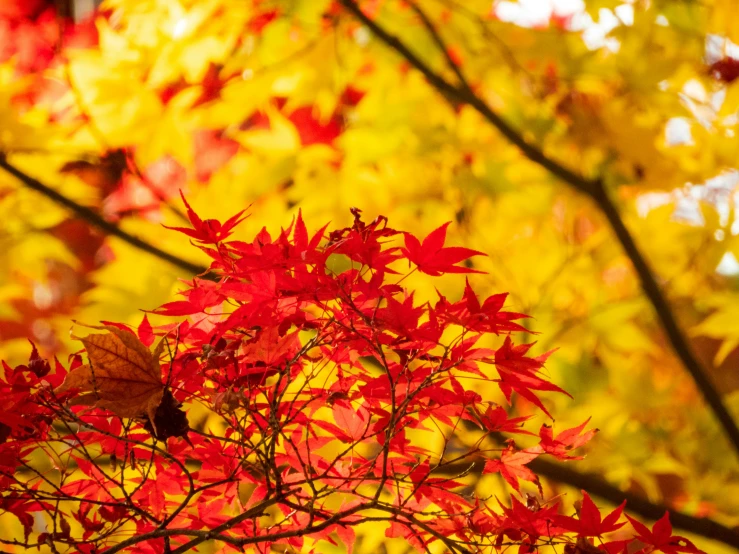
[496,420]
[212,151]
[169,419]
[103,174]
[432,258]
[271,349]
[488,316]
[363,242]
[123,375]
[518,373]
[354,422]
[512,466]
[401,317]
[661,537]
[312,130]
[209,230]
[565,441]
[530,519]
[590,523]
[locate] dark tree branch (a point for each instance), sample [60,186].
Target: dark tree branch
[426,20]
[93,218]
[596,486]
[595,190]
[667,318]
[466,96]
[634,503]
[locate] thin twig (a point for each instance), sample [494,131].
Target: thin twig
[426,20]
[95,219]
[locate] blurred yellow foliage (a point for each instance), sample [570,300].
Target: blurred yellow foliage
[295,105]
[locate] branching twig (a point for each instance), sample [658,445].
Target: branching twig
[426,20]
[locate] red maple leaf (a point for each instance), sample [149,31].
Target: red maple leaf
[661,537]
[564,442]
[589,523]
[527,522]
[512,466]
[496,420]
[313,130]
[209,230]
[212,151]
[432,258]
[518,373]
[353,421]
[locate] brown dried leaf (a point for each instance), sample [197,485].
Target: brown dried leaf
[123,375]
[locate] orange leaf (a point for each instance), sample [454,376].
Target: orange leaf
[123,375]
[512,466]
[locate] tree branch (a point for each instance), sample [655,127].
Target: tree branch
[426,20]
[466,96]
[93,218]
[595,190]
[635,504]
[667,318]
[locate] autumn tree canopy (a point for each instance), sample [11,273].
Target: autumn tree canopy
[256,376]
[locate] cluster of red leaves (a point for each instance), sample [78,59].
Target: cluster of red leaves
[33,31]
[325,383]
[29,33]
[24,420]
